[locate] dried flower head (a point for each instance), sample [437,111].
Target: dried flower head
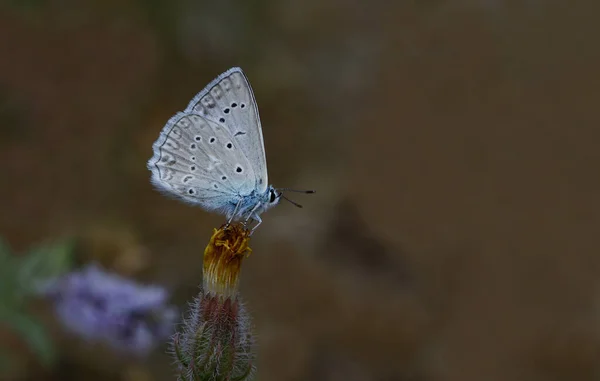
[223,257]
[104,307]
[216,342]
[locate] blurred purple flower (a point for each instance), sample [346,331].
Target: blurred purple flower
[100,306]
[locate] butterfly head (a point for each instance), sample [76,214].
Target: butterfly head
[273,196]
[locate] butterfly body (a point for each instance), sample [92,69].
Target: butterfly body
[250,206]
[212,154]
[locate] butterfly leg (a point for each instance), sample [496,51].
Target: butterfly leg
[256,218]
[237,207]
[252,212]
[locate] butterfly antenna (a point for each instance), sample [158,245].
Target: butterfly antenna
[297,190]
[291,202]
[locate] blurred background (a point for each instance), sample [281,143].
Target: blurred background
[454,148]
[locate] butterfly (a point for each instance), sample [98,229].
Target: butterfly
[213,155]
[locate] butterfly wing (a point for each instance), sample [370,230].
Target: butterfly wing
[200,161]
[229,101]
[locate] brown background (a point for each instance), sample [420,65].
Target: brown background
[454,147]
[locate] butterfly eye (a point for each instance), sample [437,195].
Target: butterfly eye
[273,196]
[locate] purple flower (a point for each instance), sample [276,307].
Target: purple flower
[99,306]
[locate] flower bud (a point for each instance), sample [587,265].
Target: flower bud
[216,342]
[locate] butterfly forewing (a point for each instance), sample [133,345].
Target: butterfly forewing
[229,101]
[200,161]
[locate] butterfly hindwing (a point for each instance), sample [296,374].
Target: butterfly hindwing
[200,161]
